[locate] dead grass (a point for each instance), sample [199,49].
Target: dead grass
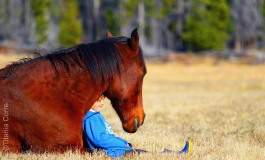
[221,109]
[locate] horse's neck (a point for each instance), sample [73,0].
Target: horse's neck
[75,87]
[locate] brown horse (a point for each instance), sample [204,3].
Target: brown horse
[43,100]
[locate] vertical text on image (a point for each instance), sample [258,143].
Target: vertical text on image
[5,126]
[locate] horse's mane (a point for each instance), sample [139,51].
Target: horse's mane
[100,58]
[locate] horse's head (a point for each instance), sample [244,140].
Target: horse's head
[125,89]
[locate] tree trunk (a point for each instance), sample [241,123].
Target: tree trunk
[90,10]
[238,44]
[25,21]
[84,11]
[96,25]
[141,19]
[179,23]
[2,20]
[156,32]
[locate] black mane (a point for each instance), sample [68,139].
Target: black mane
[100,58]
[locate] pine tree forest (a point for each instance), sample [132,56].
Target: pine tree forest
[176,25]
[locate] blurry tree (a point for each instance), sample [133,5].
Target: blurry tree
[166,8]
[178,25]
[143,10]
[207,25]
[3,20]
[11,18]
[247,20]
[70,27]
[112,16]
[91,14]
[26,21]
[154,20]
[262,7]
[162,24]
[40,10]
[161,21]
[261,40]
[85,12]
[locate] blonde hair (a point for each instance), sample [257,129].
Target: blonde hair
[102,97]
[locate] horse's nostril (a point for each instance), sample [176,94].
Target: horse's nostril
[136,122]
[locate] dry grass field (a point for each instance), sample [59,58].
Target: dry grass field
[220,109]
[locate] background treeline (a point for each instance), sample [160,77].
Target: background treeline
[178,25]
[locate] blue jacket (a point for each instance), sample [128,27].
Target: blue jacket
[98,134]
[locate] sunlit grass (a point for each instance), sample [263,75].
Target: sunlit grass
[220,108]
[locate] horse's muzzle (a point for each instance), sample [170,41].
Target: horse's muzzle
[136,124]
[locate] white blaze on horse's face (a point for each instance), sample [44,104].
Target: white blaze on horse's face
[125,90]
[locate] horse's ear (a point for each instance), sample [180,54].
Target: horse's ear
[134,41]
[109,35]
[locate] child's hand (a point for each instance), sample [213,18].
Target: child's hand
[129,144]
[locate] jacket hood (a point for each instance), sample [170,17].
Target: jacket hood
[89,114]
